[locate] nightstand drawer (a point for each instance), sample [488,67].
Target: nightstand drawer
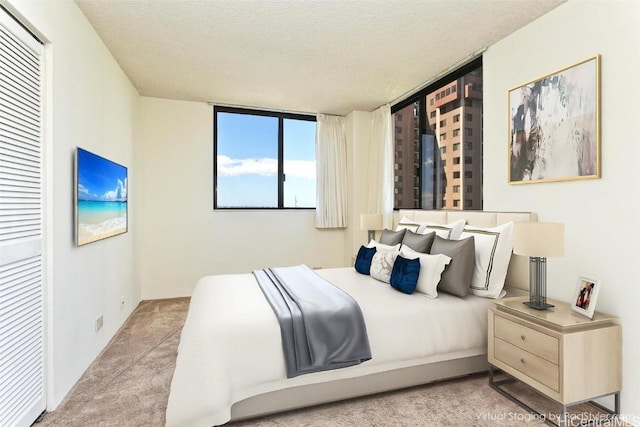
[529,364]
[526,338]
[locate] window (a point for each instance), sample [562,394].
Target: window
[263,159]
[468,131]
[456,203]
[468,145]
[398,154]
[398,142]
[398,117]
[468,117]
[468,188]
[398,129]
[468,203]
[456,188]
[468,160]
[468,174]
[423,185]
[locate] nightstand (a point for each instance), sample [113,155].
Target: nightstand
[562,355]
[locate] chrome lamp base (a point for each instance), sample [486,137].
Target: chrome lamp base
[538,284]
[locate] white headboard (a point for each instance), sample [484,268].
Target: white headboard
[518,273]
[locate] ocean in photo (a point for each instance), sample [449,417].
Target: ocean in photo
[97,220]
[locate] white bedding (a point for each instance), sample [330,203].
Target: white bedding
[230,347]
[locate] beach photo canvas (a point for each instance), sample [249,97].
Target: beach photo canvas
[101,198]
[554,126]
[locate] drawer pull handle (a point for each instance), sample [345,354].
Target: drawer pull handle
[522,337]
[522,360]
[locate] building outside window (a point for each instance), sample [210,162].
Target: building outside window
[428,116]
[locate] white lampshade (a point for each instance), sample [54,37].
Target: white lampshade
[370,221]
[538,239]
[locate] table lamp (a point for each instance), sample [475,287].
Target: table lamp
[538,240]
[371,223]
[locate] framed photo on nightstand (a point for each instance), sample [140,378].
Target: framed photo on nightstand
[585,296]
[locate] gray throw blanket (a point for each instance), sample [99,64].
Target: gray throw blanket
[322,327]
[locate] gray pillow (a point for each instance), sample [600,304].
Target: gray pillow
[391,238]
[419,242]
[456,278]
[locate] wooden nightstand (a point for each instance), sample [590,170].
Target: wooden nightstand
[566,357]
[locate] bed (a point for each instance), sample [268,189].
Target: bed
[230,362]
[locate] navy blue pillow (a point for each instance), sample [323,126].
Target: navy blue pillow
[363,259]
[404,275]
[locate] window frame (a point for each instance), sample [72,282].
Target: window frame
[281,116]
[420,98]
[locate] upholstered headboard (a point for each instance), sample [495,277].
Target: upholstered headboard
[518,273]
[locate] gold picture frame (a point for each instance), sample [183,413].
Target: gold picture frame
[554,126]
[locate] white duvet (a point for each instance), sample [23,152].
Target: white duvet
[230,348]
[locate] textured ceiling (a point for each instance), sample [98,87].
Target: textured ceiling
[326,56]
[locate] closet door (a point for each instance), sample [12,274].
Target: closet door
[22,387]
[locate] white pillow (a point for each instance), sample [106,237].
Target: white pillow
[431,268]
[409,224]
[382,264]
[493,253]
[382,247]
[446,231]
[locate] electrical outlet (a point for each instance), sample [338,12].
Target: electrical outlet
[121,302]
[99,323]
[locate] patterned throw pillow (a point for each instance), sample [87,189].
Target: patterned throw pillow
[382,265]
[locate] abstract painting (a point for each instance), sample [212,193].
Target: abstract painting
[554,126]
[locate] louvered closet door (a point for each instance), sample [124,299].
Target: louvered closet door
[22,396]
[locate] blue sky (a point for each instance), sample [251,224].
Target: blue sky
[100,179]
[248,161]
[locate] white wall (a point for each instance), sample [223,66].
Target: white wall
[358,135]
[601,216]
[89,103]
[181,238]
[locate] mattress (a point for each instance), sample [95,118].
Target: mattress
[230,348]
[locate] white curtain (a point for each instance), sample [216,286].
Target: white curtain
[380,177]
[331,172]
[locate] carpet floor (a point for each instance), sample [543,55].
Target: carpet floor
[128,385]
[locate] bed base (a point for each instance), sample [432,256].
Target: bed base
[316,394]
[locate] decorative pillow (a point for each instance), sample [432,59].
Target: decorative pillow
[408,224]
[456,279]
[404,274]
[431,268]
[382,265]
[383,247]
[418,242]
[493,253]
[389,237]
[446,231]
[363,259]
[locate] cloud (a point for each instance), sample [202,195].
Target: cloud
[118,193]
[227,166]
[305,169]
[82,190]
